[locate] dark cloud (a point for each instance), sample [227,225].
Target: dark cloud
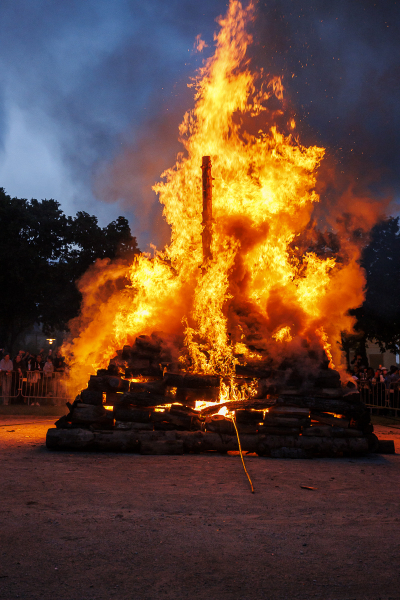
[101,87]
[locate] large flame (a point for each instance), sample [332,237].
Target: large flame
[259,293]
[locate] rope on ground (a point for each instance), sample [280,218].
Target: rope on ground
[240,452]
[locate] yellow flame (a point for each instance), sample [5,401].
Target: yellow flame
[253,288]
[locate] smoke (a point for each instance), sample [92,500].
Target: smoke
[101,89]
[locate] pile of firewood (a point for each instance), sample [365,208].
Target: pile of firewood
[158,416]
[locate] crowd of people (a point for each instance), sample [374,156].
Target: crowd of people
[22,376]
[362,373]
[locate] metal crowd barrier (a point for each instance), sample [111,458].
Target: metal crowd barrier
[383,399]
[34,387]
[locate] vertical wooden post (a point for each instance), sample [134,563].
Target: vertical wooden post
[207,209]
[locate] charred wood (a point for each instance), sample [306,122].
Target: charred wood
[91,397]
[331,431]
[280,420]
[132,414]
[220,424]
[330,419]
[153,387]
[144,399]
[271,430]
[69,439]
[108,384]
[88,413]
[191,381]
[316,403]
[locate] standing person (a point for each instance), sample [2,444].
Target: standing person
[58,362]
[48,370]
[36,378]
[6,368]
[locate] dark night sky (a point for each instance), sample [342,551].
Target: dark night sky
[91,93]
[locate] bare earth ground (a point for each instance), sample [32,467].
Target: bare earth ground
[78,526]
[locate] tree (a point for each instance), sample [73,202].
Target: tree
[378,318]
[42,255]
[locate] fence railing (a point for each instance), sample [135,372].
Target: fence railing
[384,398]
[34,387]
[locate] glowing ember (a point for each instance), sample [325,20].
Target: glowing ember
[258,296]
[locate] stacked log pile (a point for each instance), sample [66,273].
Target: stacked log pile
[158,415]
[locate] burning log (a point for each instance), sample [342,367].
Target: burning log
[329,419]
[174,421]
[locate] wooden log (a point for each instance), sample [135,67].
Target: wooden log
[69,439]
[116,441]
[317,446]
[131,414]
[94,397]
[220,424]
[88,413]
[192,395]
[256,404]
[329,419]
[334,446]
[151,343]
[287,411]
[128,425]
[199,441]
[280,420]
[207,221]
[315,403]
[268,430]
[248,417]
[182,421]
[177,409]
[144,399]
[108,383]
[113,398]
[191,381]
[385,447]
[162,447]
[153,387]
[266,443]
[331,431]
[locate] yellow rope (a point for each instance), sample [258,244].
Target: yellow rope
[240,451]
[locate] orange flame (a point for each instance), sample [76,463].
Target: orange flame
[257,292]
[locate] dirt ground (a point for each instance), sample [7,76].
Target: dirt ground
[77,526]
